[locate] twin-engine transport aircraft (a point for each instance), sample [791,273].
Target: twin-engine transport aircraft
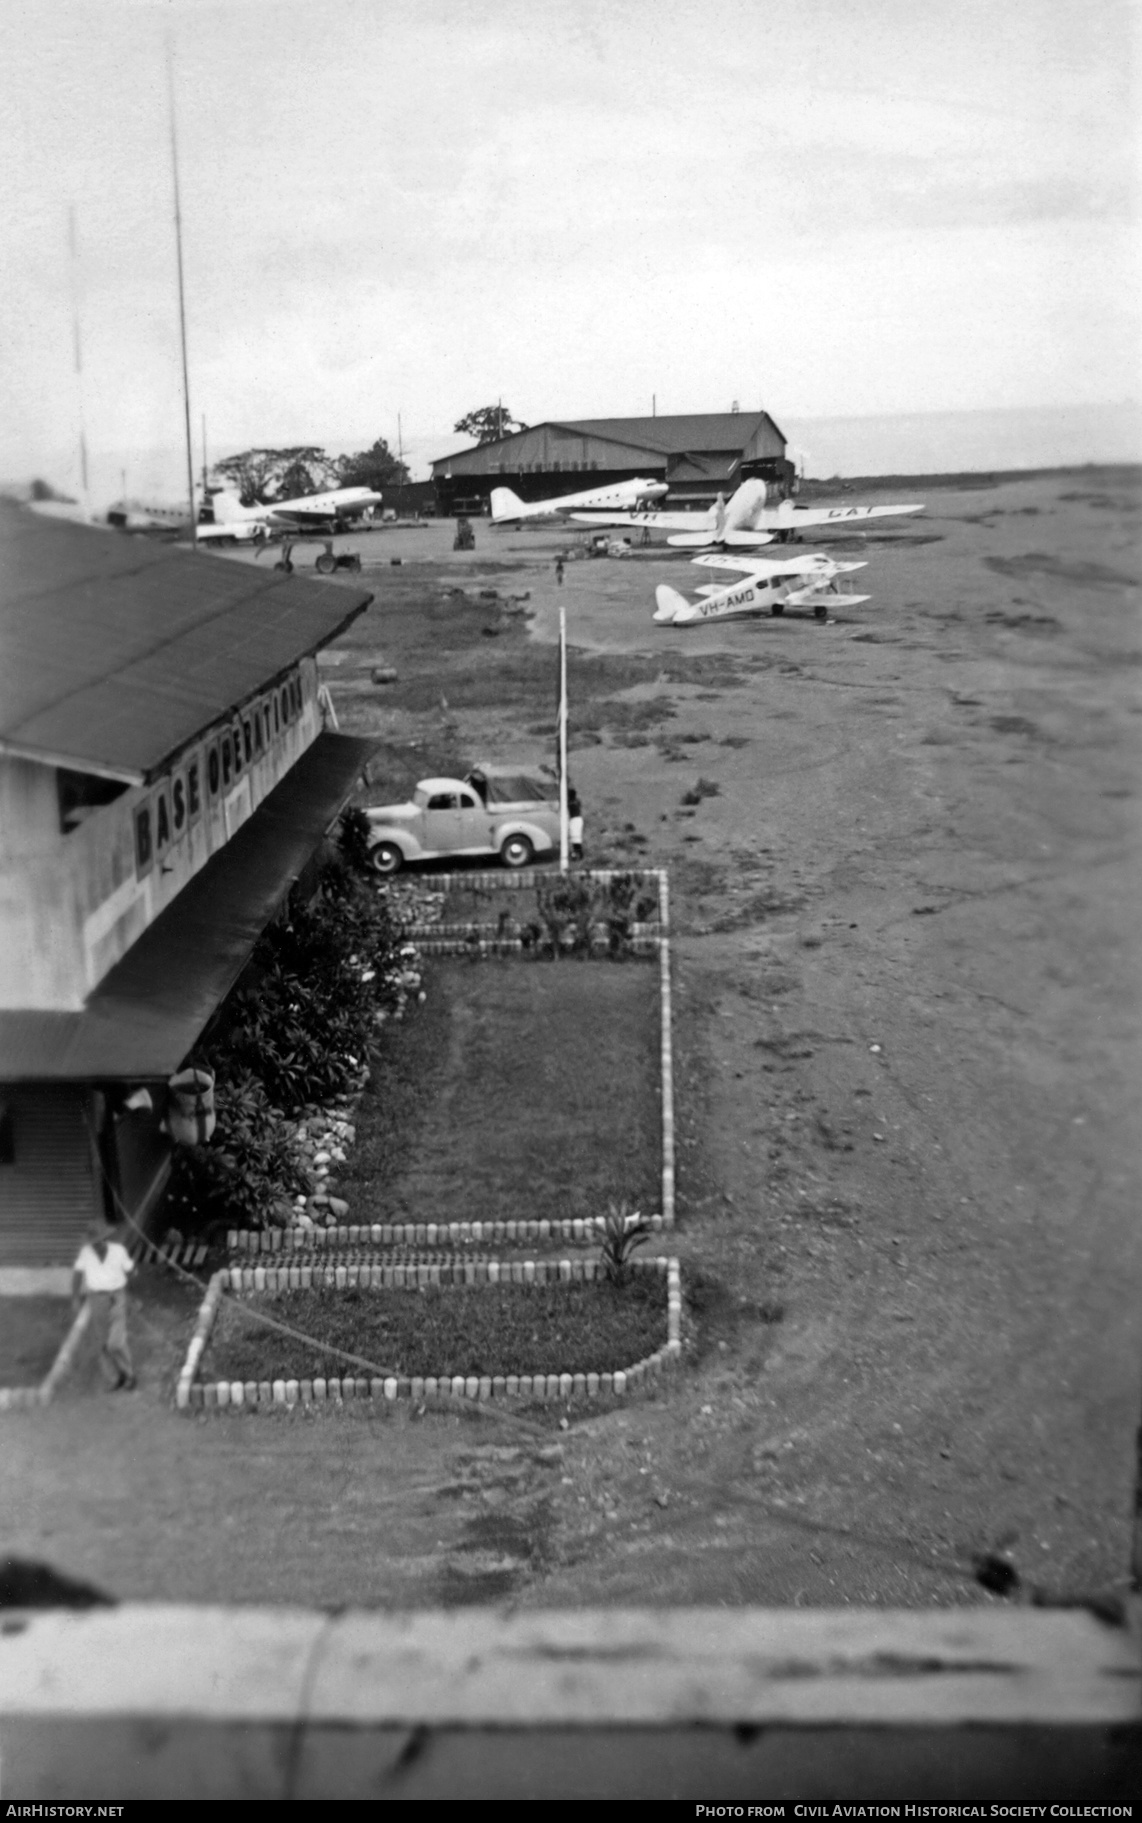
[744,520]
[771,586]
[328,512]
[508,508]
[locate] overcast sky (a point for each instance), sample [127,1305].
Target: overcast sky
[827,208]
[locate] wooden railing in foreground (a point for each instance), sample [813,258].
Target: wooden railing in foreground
[711,1705]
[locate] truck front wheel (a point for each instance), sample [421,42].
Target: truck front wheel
[386,858]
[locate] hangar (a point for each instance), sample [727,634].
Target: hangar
[698,456]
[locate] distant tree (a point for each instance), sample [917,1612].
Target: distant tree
[489,424]
[376,468]
[43,490]
[261,476]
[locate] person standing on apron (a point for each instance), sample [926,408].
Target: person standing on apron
[100,1276]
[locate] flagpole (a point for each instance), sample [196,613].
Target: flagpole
[181,304]
[563,823]
[73,244]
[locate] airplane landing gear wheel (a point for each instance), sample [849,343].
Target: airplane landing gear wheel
[326,563]
[820,613]
[777,609]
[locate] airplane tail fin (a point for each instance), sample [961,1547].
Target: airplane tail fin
[506,506]
[669,601]
[227,506]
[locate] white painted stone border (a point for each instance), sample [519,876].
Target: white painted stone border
[13,1398]
[218,1394]
[583,1230]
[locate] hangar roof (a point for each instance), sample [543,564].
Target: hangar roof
[117,651]
[688,434]
[695,431]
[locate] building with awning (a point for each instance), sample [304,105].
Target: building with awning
[698,455]
[165,778]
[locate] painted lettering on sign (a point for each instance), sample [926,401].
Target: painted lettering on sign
[213,773]
[178,803]
[144,848]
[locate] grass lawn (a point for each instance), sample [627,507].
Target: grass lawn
[592,1327]
[518,1090]
[31,1335]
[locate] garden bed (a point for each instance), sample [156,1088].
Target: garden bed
[32,1332]
[487,1329]
[38,1337]
[444,1329]
[536,1095]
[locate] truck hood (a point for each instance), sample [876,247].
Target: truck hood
[394,813]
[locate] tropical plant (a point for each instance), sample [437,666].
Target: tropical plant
[250,1172]
[624,1229]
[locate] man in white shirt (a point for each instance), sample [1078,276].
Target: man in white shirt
[100,1275]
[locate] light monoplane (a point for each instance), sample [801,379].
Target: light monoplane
[770,586]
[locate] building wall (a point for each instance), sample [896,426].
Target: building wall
[50,1190]
[766,441]
[72,904]
[548,449]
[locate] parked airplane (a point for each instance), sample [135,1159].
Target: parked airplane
[772,585]
[328,512]
[744,520]
[507,507]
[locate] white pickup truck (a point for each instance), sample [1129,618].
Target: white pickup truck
[494,811]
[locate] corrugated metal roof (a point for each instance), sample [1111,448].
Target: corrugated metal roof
[675,436]
[714,430]
[117,651]
[146,1014]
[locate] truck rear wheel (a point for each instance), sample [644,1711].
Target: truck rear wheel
[517,851]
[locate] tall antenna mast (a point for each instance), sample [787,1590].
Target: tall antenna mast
[205,465]
[181,301]
[73,246]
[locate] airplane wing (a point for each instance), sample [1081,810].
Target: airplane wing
[664,521]
[834,515]
[761,566]
[295,516]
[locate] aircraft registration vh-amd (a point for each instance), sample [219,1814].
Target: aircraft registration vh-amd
[509,509]
[743,521]
[771,585]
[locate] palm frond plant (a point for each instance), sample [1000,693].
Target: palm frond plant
[624,1229]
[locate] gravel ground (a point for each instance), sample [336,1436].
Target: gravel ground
[907,1035]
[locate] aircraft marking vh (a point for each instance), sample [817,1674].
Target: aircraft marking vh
[772,585]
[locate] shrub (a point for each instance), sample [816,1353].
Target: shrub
[703,788]
[303,1015]
[575,916]
[295,1030]
[624,1229]
[353,838]
[249,1173]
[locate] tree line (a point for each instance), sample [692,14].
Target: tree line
[261,476]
